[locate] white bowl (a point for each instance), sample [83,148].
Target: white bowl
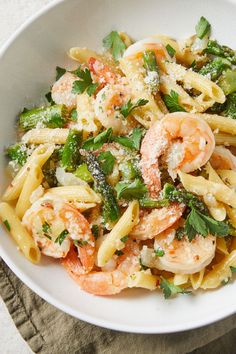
[27,68]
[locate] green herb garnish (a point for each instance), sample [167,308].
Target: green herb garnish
[74,115]
[18,153]
[95,231]
[96,142]
[107,162]
[143,267]
[6,223]
[131,190]
[171,51]
[85,83]
[62,237]
[128,107]
[114,42]
[59,72]
[169,289]
[119,253]
[133,141]
[172,102]
[202,28]
[80,243]
[124,239]
[233,269]
[159,252]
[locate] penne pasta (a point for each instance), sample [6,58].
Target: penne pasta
[143,279]
[225,139]
[33,181]
[220,123]
[39,156]
[196,279]
[76,193]
[180,279]
[122,228]
[19,233]
[45,136]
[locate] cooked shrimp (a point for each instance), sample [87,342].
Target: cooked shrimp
[105,282]
[62,90]
[50,217]
[151,43]
[180,257]
[107,107]
[158,220]
[184,141]
[223,159]
[102,72]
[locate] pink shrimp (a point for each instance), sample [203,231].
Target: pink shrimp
[223,159]
[105,282]
[62,90]
[153,223]
[102,72]
[183,140]
[55,224]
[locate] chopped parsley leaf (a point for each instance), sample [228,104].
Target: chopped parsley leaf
[124,238]
[61,237]
[85,84]
[107,162]
[80,243]
[119,252]
[233,269]
[133,141]
[131,190]
[59,72]
[114,42]
[46,228]
[6,223]
[74,115]
[159,252]
[95,231]
[171,51]
[172,102]
[169,289]
[143,267]
[202,28]
[128,107]
[96,142]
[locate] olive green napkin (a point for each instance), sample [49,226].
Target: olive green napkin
[48,330]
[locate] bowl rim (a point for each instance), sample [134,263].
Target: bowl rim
[220,315]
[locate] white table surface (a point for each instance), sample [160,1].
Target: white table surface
[12,14]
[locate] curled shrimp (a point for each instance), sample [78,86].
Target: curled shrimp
[223,159]
[102,72]
[184,141]
[151,43]
[108,104]
[62,90]
[155,222]
[105,282]
[180,256]
[55,224]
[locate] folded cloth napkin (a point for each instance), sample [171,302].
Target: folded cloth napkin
[50,331]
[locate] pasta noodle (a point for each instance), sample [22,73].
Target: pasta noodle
[32,181]
[225,139]
[123,227]
[39,156]
[143,279]
[46,135]
[76,193]
[196,279]
[19,233]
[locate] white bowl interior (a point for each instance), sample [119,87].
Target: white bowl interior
[27,69]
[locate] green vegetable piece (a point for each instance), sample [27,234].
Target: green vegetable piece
[80,243]
[172,102]
[151,203]
[171,51]
[95,231]
[49,98]
[152,70]
[215,68]
[110,207]
[180,233]
[74,115]
[143,267]
[202,28]
[45,117]
[129,191]
[119,253]
[114,42]
[133,141]
[85,84]
[233,269]
[228,81]
[124,239]
[59,72]
[46,228]
[230,106]
[214,48]
[198,223]
[169,289]
[62,237]
[17,153]
[128,107]
[7,225]
[96,142]
[70,154]
[159,252]
[128,171]
[182,196]
[107,162]
[83,173]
